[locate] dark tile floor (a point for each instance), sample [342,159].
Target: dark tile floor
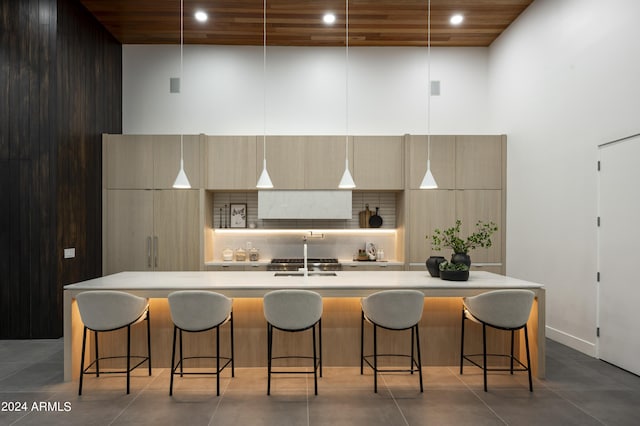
[579,390]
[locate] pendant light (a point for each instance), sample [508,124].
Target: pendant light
[428,182]
[181,182]
[347,181]
[264,181]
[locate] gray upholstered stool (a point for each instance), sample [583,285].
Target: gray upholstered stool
[294,311]
[393,310]
[502,309]
[196,311]
[106,310]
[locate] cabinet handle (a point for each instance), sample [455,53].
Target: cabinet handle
[155,251]
[149,252]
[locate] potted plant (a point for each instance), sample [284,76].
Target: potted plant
[450,237]
[454,271]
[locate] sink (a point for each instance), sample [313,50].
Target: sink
[301,274]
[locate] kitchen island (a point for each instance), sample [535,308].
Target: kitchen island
[439,328]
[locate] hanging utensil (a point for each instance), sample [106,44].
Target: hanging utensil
[364,217]
[375,221]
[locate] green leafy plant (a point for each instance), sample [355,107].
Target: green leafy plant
[450,237]
[448,266]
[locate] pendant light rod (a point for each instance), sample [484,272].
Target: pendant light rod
[347,181]
[265,180]
[182,181]
[428,182]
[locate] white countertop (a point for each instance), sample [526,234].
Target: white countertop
[256,284]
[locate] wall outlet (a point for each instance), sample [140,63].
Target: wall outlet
[69,253]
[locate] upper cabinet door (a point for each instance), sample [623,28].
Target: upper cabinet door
[285,161]
[443,160]
[231,162]
[166,160]
[378,162]
[324,161]
[149,162]
[479,162]
[128,161]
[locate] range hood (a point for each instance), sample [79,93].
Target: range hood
[310,204]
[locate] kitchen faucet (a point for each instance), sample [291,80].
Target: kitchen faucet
[305,269]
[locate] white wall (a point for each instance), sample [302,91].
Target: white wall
[223,90]
[563,79]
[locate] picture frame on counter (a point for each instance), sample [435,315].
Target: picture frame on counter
[238,215]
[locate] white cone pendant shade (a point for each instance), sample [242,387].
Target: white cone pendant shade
[265,180]
[428,182]
[347,181]
[182,182]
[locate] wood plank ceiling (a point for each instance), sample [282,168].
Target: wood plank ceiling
[299,22]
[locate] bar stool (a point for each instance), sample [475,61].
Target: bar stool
[392,310]
[294,311]
[504,310]
[197,311]
[106,310]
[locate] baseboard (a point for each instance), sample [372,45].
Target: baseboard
[573,342]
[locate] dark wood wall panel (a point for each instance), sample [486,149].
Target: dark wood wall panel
[60,89]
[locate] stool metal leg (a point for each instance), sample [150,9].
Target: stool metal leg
[511,370]
[419,358]
[84,344]
[128,357]
[320,340]
[484,354]
[412,358]
[462,342]
[149,341]
[233,374]
[95,336]
[217,361]
[361,342]
[181,357]
[173,359]
[269,353]
[375,359]
[526,340]
[315,370]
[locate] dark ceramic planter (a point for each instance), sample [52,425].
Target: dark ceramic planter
[433,265]
[461,258]
[454,275]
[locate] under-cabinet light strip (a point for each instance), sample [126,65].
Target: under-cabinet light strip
[303,231]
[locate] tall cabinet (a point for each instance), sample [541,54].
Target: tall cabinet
[148,225]
[470,172]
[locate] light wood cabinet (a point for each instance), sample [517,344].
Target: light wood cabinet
[479,162]
[149,162]
[378,162]
[470,171]
[305,162]
[285,161]
[484,205]
[443,160]
[231,162]
[147,230]
[428,210]
[128,231]
[324,161]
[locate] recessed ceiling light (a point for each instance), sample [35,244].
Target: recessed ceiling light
[456,19]
[201,16]
[329,18]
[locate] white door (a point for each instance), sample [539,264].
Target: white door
[619,253]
